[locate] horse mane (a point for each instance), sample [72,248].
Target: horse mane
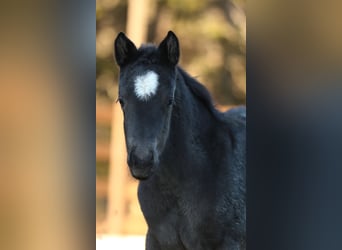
[201,93]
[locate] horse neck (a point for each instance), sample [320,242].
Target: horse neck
[192,124]
[189,111]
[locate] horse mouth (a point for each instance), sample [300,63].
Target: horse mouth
[141,173]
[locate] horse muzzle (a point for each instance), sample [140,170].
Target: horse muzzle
[141,163]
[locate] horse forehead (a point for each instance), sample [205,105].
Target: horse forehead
[146,84]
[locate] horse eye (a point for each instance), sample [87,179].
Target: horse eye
[122,103]
[170,102]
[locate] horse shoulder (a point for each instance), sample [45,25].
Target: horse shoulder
[237,112]
[161,213]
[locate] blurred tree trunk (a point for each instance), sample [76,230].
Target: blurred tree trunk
[137,24]
[137,20]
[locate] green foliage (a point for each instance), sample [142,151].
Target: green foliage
[188,7]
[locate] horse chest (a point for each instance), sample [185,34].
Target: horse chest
[172,220]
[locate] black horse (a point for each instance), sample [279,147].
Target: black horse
[189,157]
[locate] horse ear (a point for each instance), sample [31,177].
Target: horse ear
[124,49]
[169,48]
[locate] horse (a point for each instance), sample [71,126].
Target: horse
[189,158]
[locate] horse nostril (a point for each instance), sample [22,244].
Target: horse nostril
[141,158]
[131,159]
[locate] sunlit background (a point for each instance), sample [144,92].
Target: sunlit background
[212,35]
[47,113]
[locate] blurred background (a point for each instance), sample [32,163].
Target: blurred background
[212,35]
[47,112]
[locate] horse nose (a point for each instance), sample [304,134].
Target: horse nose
[140,157]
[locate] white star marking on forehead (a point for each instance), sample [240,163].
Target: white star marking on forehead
[145,86]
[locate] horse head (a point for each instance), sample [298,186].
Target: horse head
[147,86]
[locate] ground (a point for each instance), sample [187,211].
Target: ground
[118,242]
